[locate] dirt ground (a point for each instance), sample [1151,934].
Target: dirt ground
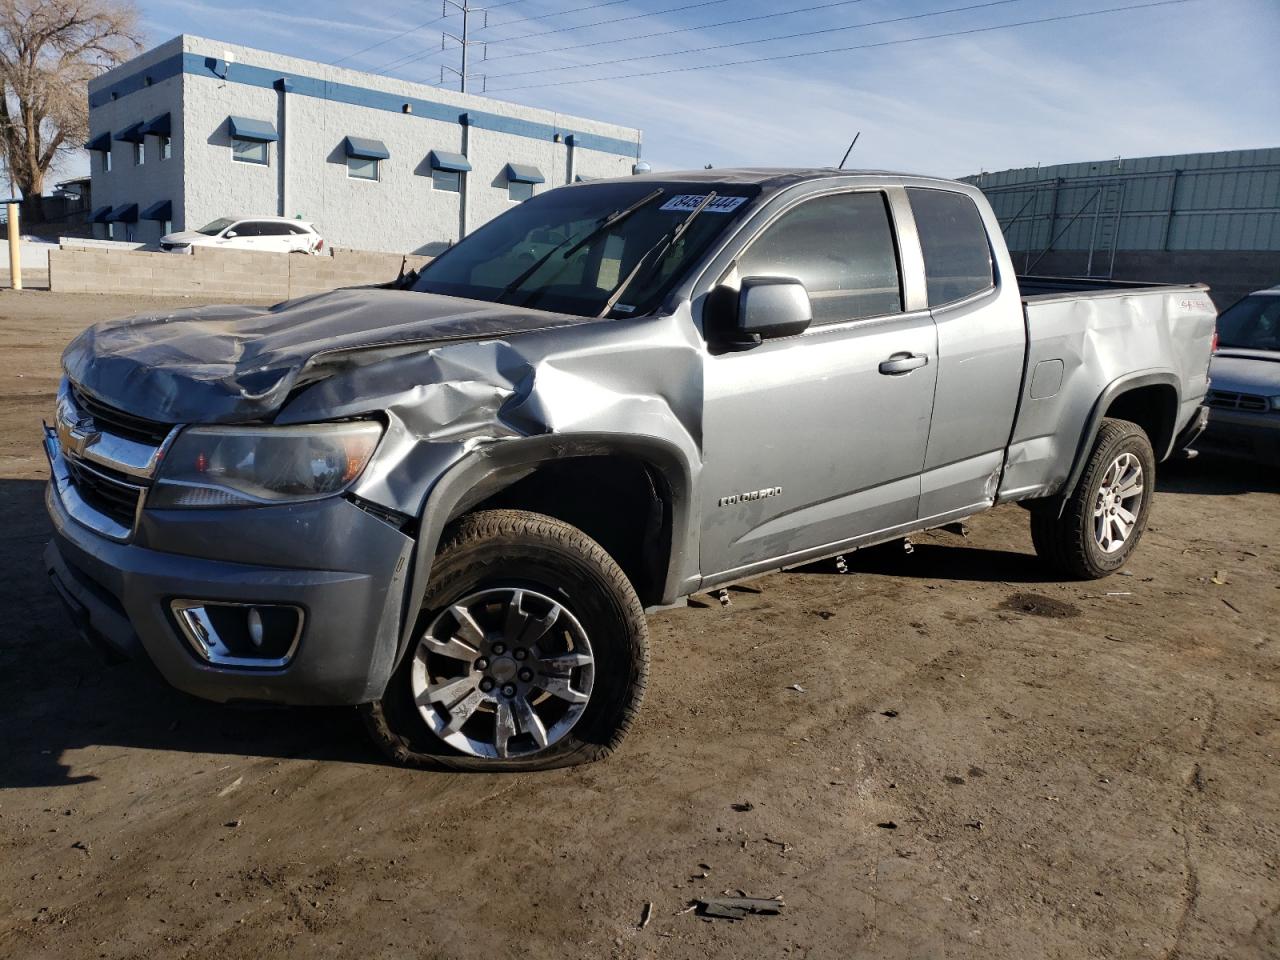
[937,755]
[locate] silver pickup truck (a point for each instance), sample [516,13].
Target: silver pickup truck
[451,500]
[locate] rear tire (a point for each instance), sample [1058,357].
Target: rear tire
[1093,533]
[530,652]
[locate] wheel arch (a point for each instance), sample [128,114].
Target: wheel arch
[1150,400]
[520,473]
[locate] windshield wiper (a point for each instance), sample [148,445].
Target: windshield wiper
[603,224]
[664,244]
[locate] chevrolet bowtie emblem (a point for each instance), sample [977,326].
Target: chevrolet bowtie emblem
[80,436]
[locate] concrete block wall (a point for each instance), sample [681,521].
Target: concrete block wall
[213,272]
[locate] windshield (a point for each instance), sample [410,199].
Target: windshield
[215,228]
[1252,324]
[562,252]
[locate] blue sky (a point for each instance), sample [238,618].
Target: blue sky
[1172,79]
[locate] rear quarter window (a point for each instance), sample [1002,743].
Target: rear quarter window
[957,256]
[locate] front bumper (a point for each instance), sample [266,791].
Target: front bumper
[345,568]
[1243,434]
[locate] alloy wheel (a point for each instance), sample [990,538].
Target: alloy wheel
[502,673]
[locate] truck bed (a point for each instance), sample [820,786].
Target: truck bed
[1045,288]
[1085,338]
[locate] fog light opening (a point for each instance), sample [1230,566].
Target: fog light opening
[226,634]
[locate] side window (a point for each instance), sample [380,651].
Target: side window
[269,229]
[248,151]
[247,228]
[841,248]
[957,257]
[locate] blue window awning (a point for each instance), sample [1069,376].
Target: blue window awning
[524,173]
[365,149]
[159,127]
[443,160]
[125,213]
[243,128]
[131,134]
[161,211]
[101,143]
[100,215]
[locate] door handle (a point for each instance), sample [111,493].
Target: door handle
[901,363]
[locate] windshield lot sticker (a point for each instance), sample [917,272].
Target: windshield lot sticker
[688,202]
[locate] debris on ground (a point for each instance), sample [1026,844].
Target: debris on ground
[736,908]
[233,824]
[777,843]
[887,825]
[796,687]
[1220,578]
[745,806]
[646,914]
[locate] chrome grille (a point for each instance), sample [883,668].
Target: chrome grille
[1228,400]
[109,493]
[103,460]
[115,421]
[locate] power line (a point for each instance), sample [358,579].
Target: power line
[465,9]
[558,13]
[746,43]
[862,46]
[601,23]
[405,33]
[668,33]
[397,36]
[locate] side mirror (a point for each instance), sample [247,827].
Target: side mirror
[230,233]
[771,307]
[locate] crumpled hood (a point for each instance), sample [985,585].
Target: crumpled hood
[1246,371]
[222,364]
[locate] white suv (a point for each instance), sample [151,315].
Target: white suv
[271,234]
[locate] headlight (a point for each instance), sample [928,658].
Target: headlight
[1275,403]
[242,466]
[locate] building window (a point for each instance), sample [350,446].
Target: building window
[362,168]
[106,160]
[248,151]
[166,228]
[111,231]
[166,147]
[139,153]
[450,180]
[518,191]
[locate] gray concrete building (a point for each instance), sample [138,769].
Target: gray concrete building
[1209,217]
[197,129]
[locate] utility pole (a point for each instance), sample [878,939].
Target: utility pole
[464,41]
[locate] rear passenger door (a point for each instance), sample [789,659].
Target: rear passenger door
[981,350]
[814,439]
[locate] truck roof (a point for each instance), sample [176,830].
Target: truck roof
[777,177]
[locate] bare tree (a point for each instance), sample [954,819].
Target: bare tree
[49,50]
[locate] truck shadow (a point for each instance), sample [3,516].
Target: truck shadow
[60,697]
[941,561]
[1211,475]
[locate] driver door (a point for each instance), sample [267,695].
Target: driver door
[814,439]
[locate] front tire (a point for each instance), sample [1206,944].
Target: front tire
[1095,531]
[530,652]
